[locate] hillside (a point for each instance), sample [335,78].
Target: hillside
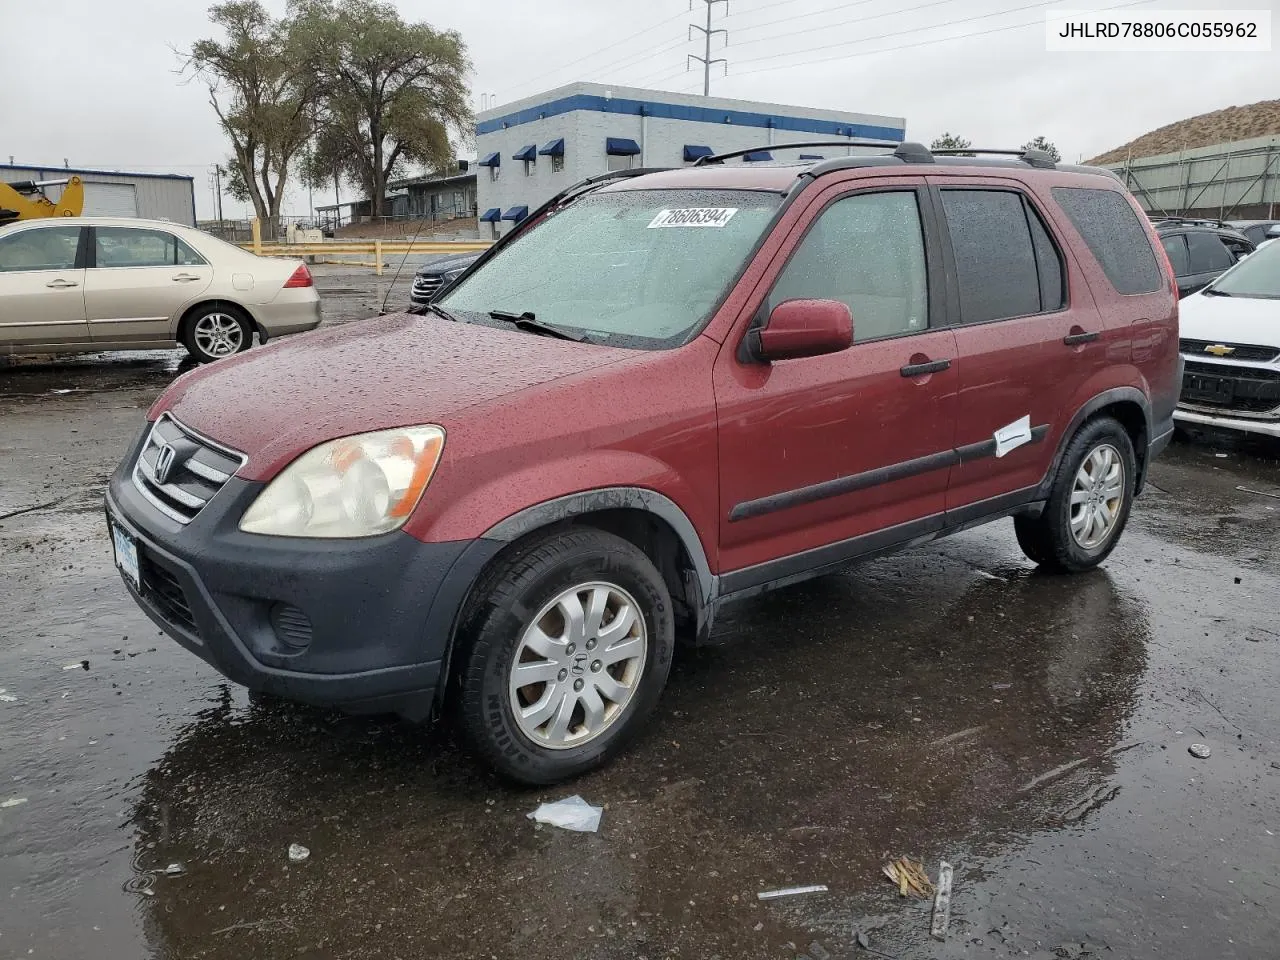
[1221,126]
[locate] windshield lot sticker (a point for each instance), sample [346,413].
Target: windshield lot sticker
[693,217]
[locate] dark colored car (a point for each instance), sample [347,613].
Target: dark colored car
[1256,231]
[431,280]
[1200,251]
[735,377]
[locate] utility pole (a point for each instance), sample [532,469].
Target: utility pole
[217,179]
[707,33]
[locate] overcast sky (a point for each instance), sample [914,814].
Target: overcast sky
[96,83]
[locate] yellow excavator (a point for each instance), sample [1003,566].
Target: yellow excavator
[26,200]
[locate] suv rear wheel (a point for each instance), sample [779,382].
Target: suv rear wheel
[1089,504]
[566,653]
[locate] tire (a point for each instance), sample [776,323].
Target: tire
[1050,539]
[214,331]
[532,588]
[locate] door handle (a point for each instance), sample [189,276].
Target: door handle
[61,284]
[184,278]
[929,366]
[1075,339]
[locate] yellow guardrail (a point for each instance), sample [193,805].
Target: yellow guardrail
[377,249]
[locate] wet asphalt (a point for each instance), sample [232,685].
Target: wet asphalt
[949,703]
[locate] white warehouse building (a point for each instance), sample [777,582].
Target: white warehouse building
[532,149]
[115,193]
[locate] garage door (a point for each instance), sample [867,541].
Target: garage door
[110,200]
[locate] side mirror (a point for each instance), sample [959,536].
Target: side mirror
[804,328]
[1273,231]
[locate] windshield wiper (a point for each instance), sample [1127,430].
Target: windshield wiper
[527,321]
[1214,292]
[442,312]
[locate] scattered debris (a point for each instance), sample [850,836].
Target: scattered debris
[1221,456]
[13,802]
[571,813]
[78,665]
[298,853]
[1238,580]
[909,876]
[818,951]
[7,697]
[942,903]
[958,735]
[1052,774]
[1001,686]
[791,892]
[1200,751]
[175,870]
[1261,493]
[863,942]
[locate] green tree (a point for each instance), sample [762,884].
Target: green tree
[949,142]
[1040,143]
[263,92]
[393,94]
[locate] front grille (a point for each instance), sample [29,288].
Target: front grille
[165,593]
[1239,351]
[424,288]
[1254,390]
[179,471]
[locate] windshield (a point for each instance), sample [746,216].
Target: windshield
[1257,275]
[642,268]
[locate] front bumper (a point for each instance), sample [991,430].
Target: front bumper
[1268,428]
[362,624]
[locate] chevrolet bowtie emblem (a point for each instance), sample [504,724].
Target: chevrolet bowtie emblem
[1219,349]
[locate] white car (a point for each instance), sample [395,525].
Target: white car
[1230,334]
[75,284]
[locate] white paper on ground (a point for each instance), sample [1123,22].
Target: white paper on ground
[571,813]
[1013,436]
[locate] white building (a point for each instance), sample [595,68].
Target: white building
[532,149]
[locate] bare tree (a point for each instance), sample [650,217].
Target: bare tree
[263,90]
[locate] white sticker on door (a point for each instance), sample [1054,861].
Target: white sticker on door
[1013,436]
[693,217]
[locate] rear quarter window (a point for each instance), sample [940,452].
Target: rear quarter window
[1114,235]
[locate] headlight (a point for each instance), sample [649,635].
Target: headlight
[354,487]
[453,275]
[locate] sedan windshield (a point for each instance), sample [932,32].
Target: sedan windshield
[642,268]
[1257,275]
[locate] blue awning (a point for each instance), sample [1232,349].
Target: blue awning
[526,153]
[553,149]
[812,156]
[693,152]
[491,160]
[492,215]
[516,213]
[756,156]
[621,147]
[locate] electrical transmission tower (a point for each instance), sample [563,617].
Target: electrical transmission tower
[707,33]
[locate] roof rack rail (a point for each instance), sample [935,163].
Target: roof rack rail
[722,157]
[1028,155]
[1190,221]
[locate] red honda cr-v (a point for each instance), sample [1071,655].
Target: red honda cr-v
[665,391]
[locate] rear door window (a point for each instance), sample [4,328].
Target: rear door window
[1207,253]
[1006,263]
[1176,247]
[134,247]
[867,251]
[1114,235]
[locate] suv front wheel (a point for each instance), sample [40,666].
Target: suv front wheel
[566,652]
[1089,504]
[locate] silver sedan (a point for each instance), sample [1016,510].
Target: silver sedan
[76,284]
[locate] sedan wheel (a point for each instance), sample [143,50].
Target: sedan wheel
[219,334]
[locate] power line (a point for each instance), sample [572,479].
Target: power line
[921,43]
[801,16]
[591,56]
[905,46]
[874,16]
